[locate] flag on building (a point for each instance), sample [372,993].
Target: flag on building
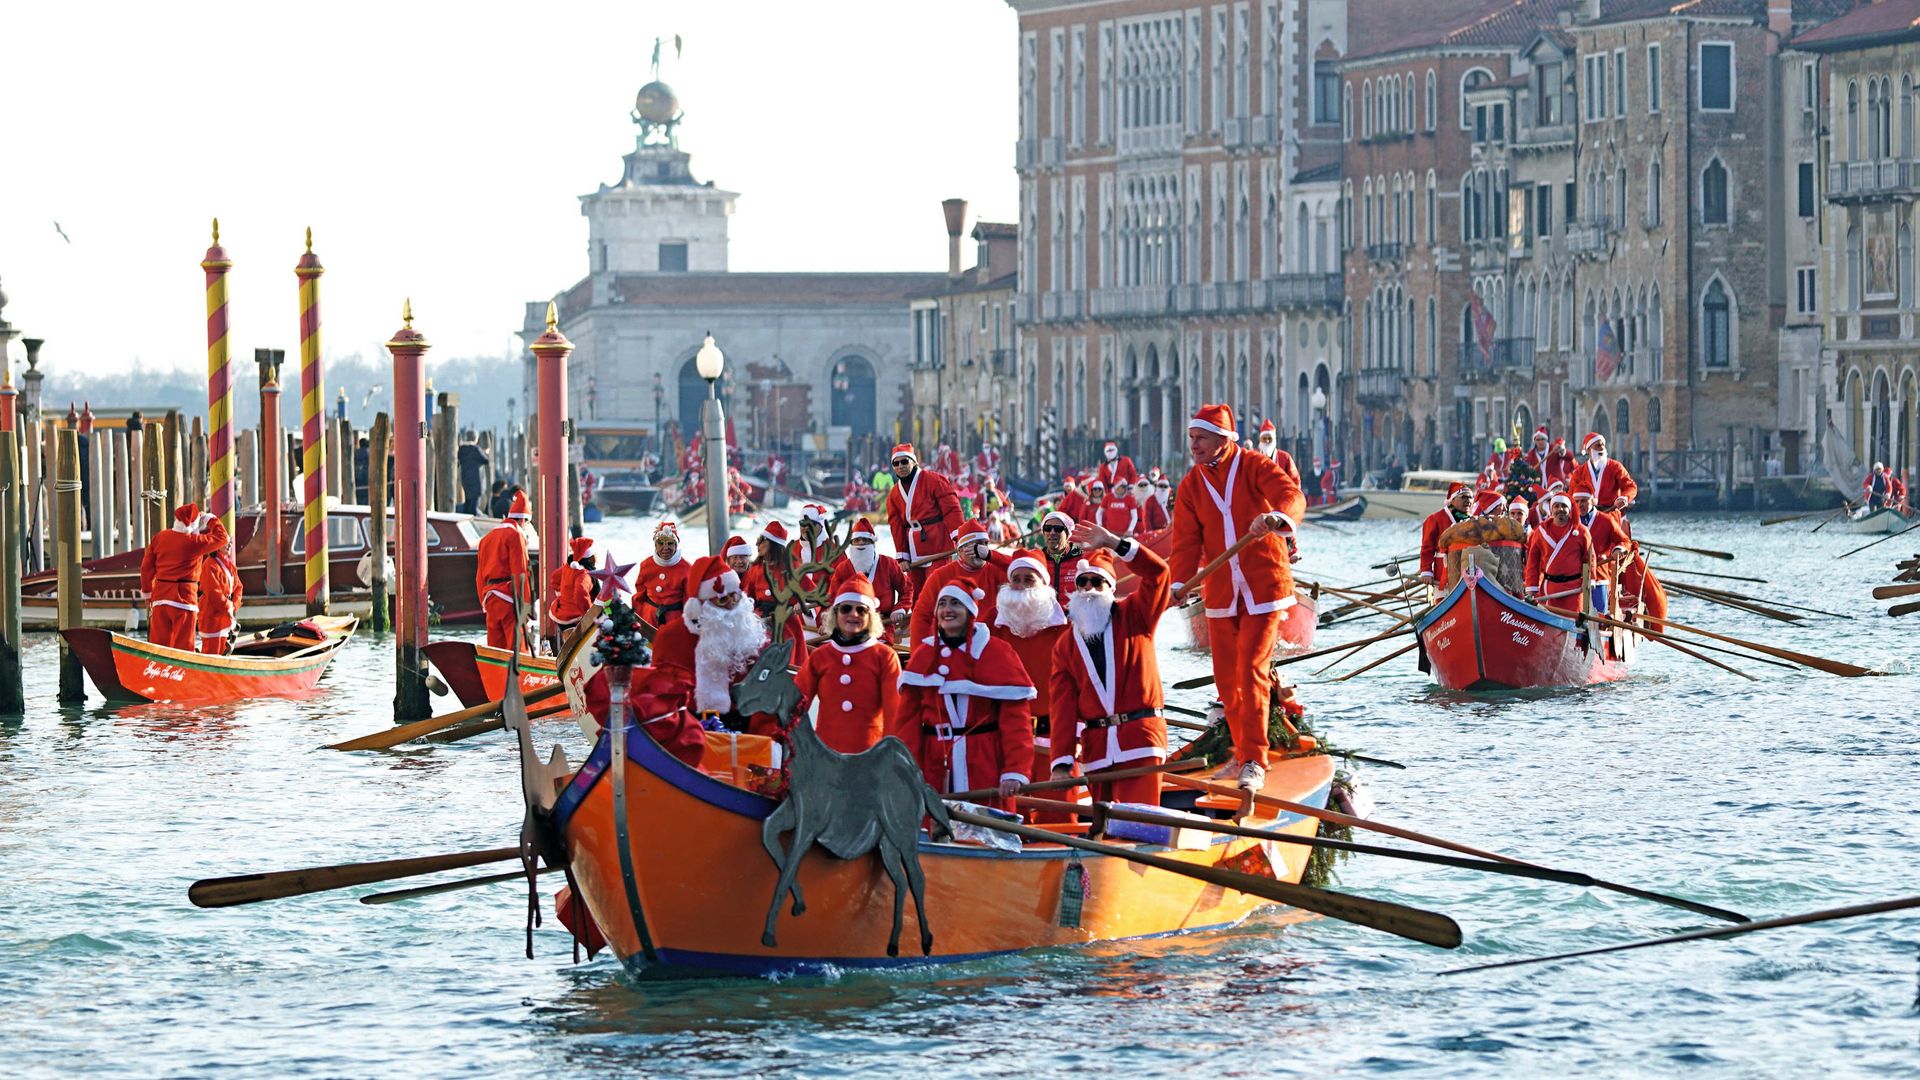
[1483,326]
[1606,353]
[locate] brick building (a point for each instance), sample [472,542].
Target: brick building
[963,387]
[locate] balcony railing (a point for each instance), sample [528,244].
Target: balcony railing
[1380,386]
[1299,290]
[1158,139]
[1544,134]
[1866,179]
[1510,356]
[1645,364]
[1586,239]
[1051,150]
[1386,252]
[1024,153]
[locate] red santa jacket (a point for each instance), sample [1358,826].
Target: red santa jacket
[170,570]
[1214,507]
[1287,464]
[983,583]
[890,583]
[1119,515]
[965,712]
[1036,656]
[1074,505]
[1153,517]
[501,561]
[1118,471]
[220,593]
[1609,483]
[1432,559]
[857,688]
[657,701]
[664,585]
[1559,467]
[1555,554]
[1607,532]
[1082,695]
[924,514]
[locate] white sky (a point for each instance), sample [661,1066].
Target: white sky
[437,150]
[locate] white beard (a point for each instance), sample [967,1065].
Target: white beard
[1113,455]
[1026,612]
[1266,448]
[730,639]
[865,558]
[1091,612]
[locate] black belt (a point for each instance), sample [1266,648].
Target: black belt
[1118,719]
[498,580]
[670,609]
[1563,577]
[172,581]
[934,729]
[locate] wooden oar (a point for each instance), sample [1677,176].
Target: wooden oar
[1204,680]
[1396,653]
[1350,821]
[480,727]
[978,794]
[1726,556]
[1428,927]
[1884,539]
[1396,561]
[451,886]
[1118,812]
[1801,517]
[1888,592]
[1663,571]
[924,560]
[279,884]
[1758,609]
[1644,632]
[381,740]
[1898,610]
[1827,915]
[1654,635]
[1755,600]
[1831,667]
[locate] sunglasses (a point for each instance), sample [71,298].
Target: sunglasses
[852,609]
[1053,528]
[1090,581]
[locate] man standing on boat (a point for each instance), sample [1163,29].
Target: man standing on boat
[854,675]
[220,593]
[1056,548]
[976,567]
[1230,494]
[1028,616]
[663,575]
[965,704]
[1105,688]
[1115,468]
[1605,477]
[570,587]
[170,575]
[1433,565]
[923,511]
[502,575]
[863,558]
[1557,553]
[1153,516]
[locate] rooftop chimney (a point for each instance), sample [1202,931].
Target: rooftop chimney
[956,211]
[1780,21]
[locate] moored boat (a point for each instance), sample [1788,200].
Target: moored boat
[1351,508]
[1481,637]
[269,664]
[477,673]
[1421,492]
[1883,521]
[123,609]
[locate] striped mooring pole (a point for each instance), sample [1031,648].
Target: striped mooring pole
[219,386]
[313,440]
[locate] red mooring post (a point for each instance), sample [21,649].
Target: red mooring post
[551,349]
[273,471]
[410,701]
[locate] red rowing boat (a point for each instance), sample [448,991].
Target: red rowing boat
[1481,637]
[262,665]
[477,673]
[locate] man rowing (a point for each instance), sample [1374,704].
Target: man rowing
[170,575]
[503,576]
[1558,553]
[1602,475]
[1433,565]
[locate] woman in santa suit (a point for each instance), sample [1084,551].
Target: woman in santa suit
[663,576]
[854,675]
[966,704]
[570,587]
[772,571]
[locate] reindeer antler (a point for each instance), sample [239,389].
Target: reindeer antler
[792,593]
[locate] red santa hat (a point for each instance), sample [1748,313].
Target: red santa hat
[904,450]
[1456,488]
[1540,432]
[811,512]
[1586,444]
[1097,483]
[1111,445]
[579,548]
[971,532]
[1559,500]
[1556,486]
[960,595]
[1215,418]
[715,578]
[1585,493]
[1518,501]
[1056,517]
[1069,483]
[1489,502]
[1095,563]
[518,511]
[736,545]
[774,533]
[1029,560]
[862,530]
[1143,482]
[856,589]
[186,514]
[1266,428]
[668,529]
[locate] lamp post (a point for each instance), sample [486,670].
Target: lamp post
[659,444]
[1319,402]
[711,363]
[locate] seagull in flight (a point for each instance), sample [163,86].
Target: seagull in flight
[62,232]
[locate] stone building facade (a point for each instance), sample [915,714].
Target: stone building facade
[964,360]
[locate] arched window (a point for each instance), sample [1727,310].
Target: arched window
[1854,268]
[1433,207]
[1433,100]
[1653,193]
[1476,78]
[1366,211]
[1620,199]
[1433,336]
[1653,415]
[1466,203]
[1566,312]
[1906,116]
[1886,117]
[1873,119]
[1346,112]
[1903,266]
[1716,326]
[1853,121]
[1713,193]
[1656,345]
[1406,104]
[1366,108]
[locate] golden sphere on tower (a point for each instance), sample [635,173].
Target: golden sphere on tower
[656,103]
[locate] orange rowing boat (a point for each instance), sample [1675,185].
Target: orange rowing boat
[477,673]
[266,664]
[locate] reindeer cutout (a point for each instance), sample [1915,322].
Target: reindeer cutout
[850,804]
[791,593]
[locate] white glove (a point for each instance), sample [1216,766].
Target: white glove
[1426,576]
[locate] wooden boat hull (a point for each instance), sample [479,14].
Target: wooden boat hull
[128,669]
[1480,637]
[1352,508]
[41,612]
[705,881]
[1882,522]
[477,673]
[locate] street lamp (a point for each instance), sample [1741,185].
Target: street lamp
[710,362]
[659,445]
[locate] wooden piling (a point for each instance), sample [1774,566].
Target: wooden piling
[246,467]
[446,450]
[576,520]
[136,481]
[550,354]
[44,498]
[124,478]
[174,478]
[100,492]
[378,441]
[153,499]
[198,480]
[67,500]
[29,453]
[13,700]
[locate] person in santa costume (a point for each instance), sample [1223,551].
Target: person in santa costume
[863,558]
[503,577]
[1522,513]
[1115,468]
[1433,563]
[1536,455]
[1056,548]
[1556,553]
[770,573]
[170,575]
[1227,495]
[1073,502]
[923,511]
[1119,514]
[1605,477]
[1105,689]
[739,555]
[220,595]
[1153,516]
[713,644]
[1268,444]
[987,462]
[854,675]
[1559,464]
[976,566]
[966,704]
[1028,616]
[570,587]
[663,576]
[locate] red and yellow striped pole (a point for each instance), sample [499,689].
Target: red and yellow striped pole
[219,386]
[313,440]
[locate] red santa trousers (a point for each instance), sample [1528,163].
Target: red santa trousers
[173,626]
[500,623]
[1243,671]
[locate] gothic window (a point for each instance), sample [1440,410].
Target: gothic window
[1716,326]
[1713,193]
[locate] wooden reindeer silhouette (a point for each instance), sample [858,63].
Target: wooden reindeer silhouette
[850,804]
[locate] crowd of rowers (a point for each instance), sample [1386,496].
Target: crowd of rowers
[1548,522]
[1020,664]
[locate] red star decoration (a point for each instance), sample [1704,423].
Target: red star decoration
[613,579]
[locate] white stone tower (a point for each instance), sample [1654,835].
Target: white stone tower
[657,218]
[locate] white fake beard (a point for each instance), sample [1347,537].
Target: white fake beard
[1028,611]
[1113,454]
[730,639]
[865,558]
[1091,612]
[1267,448]
[1598,457]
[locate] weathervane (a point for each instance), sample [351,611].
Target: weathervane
[656,110]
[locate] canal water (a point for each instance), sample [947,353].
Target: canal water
[1788,794]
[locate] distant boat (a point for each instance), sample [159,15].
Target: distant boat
[1351,508]
[1883,521]
[1481,637]
[1420,493]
